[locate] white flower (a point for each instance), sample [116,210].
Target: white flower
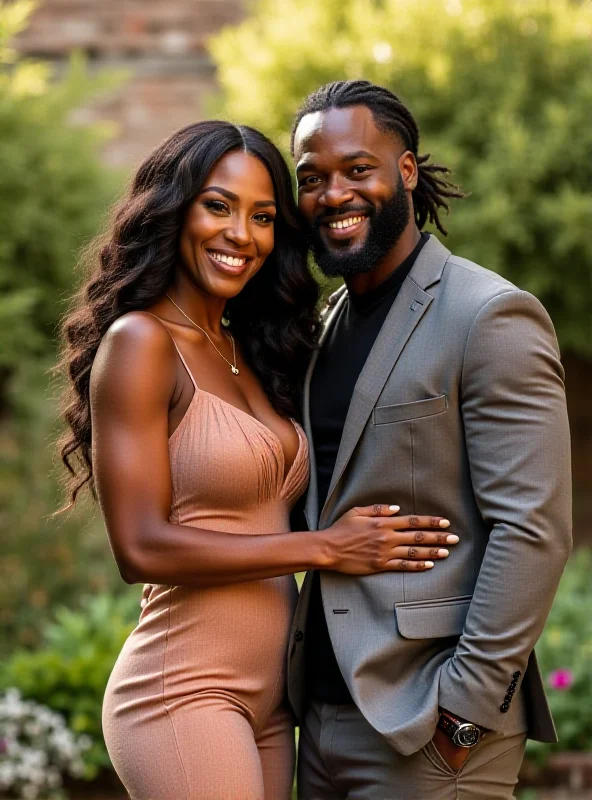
[7,774]
[37,748]
[53,777]
[76,769]
[30,792]
[33,728]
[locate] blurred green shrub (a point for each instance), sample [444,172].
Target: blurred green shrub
[502,94]
[53,193]
[565,657]
[69,672]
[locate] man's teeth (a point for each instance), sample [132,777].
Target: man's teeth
[346,223]
[232,262]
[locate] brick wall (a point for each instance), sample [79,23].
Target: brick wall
[160,43]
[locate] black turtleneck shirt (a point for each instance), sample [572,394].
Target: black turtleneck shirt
[338,367]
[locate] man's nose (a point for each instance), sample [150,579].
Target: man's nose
[337,193]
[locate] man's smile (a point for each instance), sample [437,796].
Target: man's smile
[344,229]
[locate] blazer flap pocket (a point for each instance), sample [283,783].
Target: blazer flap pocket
[432,619]
[382,415]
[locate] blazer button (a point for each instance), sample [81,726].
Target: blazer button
[504,707]
[516,675]
[298,636]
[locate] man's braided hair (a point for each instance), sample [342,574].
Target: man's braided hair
[392,116]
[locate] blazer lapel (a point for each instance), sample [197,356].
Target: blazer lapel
[411,304]
[311,508]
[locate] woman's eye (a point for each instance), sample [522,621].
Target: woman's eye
[265,218]
[216,205]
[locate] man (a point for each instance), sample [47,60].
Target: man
[437,386]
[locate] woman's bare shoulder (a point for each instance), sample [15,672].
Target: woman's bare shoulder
[137,328]
[137,351]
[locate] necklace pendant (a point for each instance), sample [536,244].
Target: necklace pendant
[234,369]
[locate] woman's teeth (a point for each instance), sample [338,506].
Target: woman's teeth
[346,223]
[231,262]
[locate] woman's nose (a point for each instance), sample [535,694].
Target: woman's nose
[239,232]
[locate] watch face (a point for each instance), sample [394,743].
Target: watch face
[467,736]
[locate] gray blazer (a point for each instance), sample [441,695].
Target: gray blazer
[459,411]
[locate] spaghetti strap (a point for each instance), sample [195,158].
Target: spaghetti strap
[179,353]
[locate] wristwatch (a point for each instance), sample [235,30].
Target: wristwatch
[462,734]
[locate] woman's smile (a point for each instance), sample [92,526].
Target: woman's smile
[230,263]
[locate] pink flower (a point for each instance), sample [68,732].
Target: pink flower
[561,679]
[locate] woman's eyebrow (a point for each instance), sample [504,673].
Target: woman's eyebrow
[234,197]
[224,192]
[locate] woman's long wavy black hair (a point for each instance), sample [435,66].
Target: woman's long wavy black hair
[273,317]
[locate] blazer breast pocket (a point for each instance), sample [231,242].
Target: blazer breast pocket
[432,619]
[403,412]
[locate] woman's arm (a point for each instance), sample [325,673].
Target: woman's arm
[133,382]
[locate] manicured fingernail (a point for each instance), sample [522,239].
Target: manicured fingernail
[452,539]
[444,523]
[394,508]
[429,564]
[443,553]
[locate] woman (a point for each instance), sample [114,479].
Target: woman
[187,430]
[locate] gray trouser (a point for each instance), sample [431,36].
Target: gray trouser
[341,757]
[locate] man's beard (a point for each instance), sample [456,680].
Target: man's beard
[384,231]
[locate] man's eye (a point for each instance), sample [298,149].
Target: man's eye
[360,169]
[310,180]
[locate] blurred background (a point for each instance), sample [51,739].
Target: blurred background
[502,91]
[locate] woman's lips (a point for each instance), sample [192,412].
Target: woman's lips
[228,269]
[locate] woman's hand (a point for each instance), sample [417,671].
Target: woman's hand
[372,539]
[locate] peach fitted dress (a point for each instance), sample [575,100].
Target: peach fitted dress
[195,705]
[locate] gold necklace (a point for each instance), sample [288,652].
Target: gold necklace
[233,368]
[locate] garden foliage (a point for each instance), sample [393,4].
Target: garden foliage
[53,193]
[69,671]
[502,93]
[565,657]
[36,749]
